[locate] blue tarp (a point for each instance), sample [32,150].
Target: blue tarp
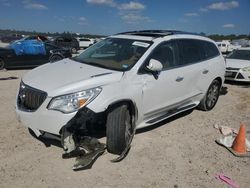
[29,47]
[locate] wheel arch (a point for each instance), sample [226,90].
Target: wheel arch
[220,80]
[58,54]
[131,104]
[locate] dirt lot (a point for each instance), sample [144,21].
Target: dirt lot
[180,152]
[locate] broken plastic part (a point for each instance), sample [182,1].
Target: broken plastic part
[95,149]
[68,142]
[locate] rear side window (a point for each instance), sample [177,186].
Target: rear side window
[67,39]
[190,51]
[85,40]
[193,51]
[210,50]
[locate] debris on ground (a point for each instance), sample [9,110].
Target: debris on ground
[226,180]
[9,78]
[225,130]
[238,145]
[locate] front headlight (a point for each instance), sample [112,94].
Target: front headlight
[246,69]
[72,102]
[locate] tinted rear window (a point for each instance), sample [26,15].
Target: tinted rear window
[193,51]
[190,51]
[210,50]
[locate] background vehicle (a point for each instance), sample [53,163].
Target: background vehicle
[127,81]
[85,43]
[36,37]
[11,38]
[67,42]
[238,65]
[9,58]
[226,47]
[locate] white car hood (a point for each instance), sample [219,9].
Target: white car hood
[237,63]
[68,76]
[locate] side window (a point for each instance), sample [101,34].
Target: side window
[210,50]
[86,40]
[165,53]
[67,40]
[190,51]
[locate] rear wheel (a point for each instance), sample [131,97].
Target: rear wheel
[119,129]
[55,58]
[2,64]
[73,50]
[211,97]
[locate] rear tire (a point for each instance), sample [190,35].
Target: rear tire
[55,58]
[2,64]
[73,50]
[211,97]
[119,129]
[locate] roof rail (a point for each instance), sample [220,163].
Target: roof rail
[154,33]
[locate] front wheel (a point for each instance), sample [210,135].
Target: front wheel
[211,97]
[2,64]
[119,129]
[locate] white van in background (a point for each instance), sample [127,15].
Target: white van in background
[225,46]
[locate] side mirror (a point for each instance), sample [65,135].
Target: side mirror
[154,65]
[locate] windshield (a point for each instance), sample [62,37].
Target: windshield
[240,54]
[114,53]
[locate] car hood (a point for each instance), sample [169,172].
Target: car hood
[237,63]
[68,76]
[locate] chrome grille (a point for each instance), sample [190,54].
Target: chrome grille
[30,99]
[230,74]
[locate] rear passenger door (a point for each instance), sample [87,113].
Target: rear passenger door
[193,67]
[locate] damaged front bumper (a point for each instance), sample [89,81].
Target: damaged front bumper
[43,119]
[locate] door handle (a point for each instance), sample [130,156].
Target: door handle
[205,71]
[179,79]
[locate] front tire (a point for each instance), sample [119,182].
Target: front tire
[119,129]
[2,64]
[211,97]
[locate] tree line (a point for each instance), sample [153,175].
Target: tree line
[216,37]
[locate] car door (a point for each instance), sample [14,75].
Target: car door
[174,86]
[35,56]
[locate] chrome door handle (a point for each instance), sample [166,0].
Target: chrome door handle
[179,79]
[205,71]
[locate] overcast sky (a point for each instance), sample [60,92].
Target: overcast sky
[112,16]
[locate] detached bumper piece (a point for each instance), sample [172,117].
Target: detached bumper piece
[94,149]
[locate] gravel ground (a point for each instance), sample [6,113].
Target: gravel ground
[179,152]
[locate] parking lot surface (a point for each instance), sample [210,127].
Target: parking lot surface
[180,152]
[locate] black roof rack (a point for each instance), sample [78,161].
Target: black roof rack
[154,33]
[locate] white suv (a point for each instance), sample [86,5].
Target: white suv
[127,81]
[85,43]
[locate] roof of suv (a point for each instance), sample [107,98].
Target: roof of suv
[155,33]
[152,34]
